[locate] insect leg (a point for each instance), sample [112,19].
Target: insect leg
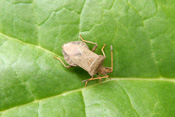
[94,79]
[94,48]
[62,62]
[100,78]
[111,59]
[103,51]
[87,81]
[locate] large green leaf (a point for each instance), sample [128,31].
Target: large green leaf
[32,83]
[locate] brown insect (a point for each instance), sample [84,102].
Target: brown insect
[77,53]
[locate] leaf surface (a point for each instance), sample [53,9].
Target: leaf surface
[32,83]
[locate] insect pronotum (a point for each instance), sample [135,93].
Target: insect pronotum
[77,53]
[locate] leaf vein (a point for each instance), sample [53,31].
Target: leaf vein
[21,42]
[129,98]
[81,14]
[84,102]
[36,21]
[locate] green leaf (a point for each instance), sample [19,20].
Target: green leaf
[32,83]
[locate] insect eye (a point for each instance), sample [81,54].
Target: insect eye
[108,69]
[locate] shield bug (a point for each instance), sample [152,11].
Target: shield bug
[77,53]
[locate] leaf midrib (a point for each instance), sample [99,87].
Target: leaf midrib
[81,89]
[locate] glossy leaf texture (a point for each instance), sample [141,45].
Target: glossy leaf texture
[33,84]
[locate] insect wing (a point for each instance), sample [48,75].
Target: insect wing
[80,55]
